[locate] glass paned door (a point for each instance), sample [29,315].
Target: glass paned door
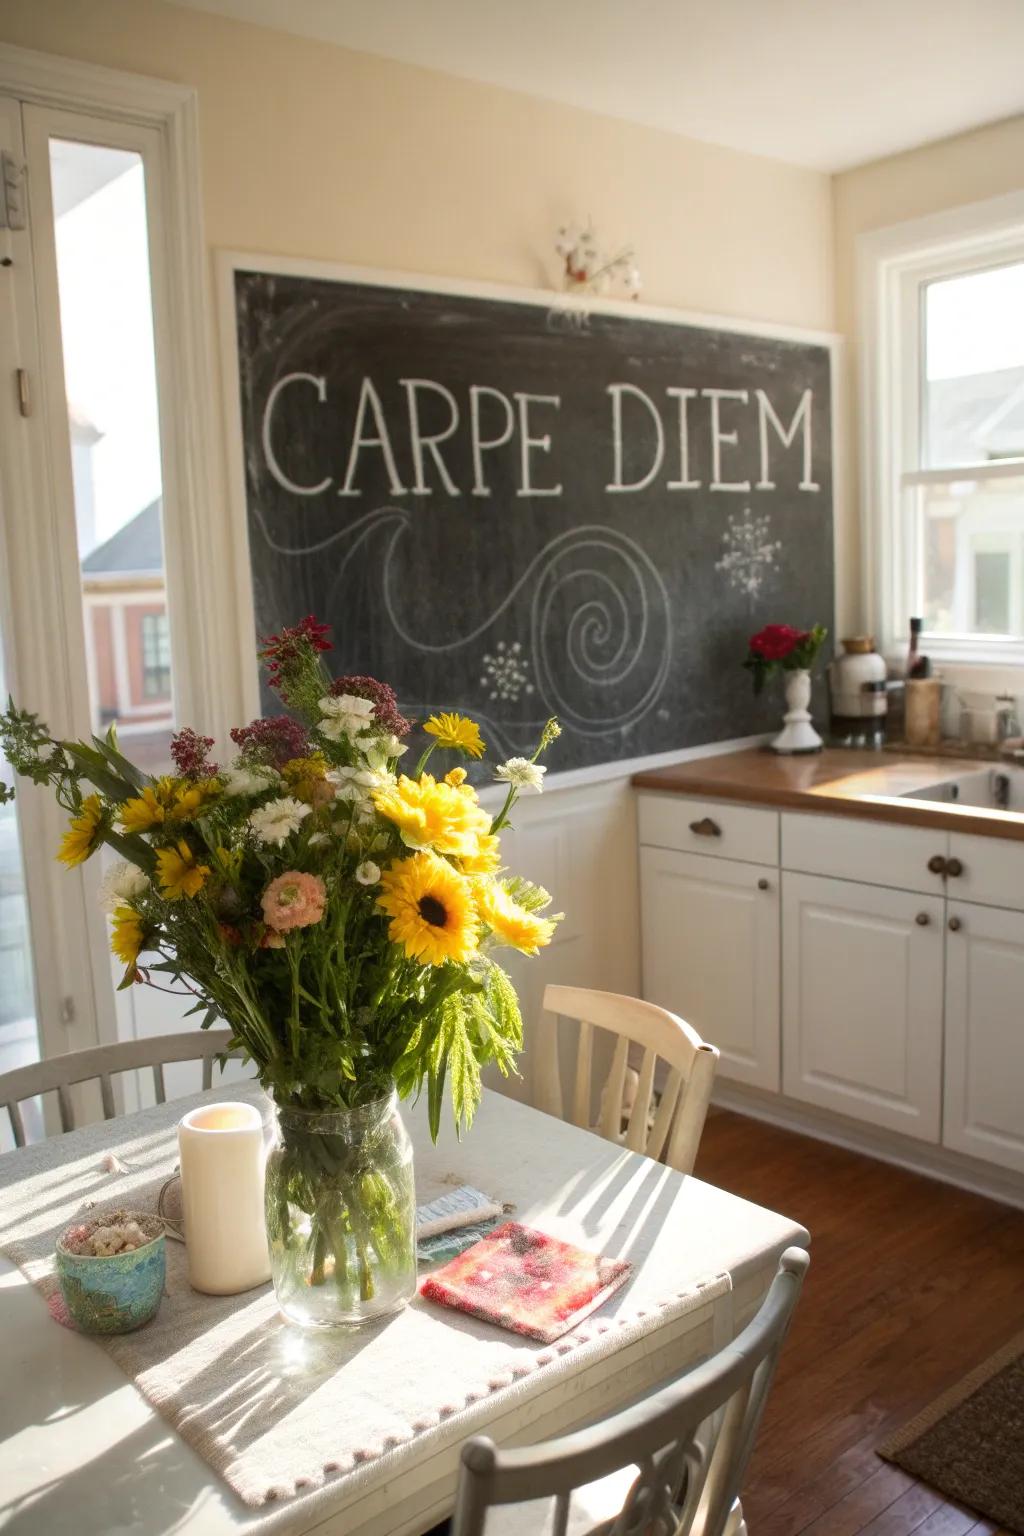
[101,243]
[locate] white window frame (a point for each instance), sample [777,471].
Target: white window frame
[79,1006]
[893,265]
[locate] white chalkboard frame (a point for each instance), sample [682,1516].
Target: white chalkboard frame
[228,262]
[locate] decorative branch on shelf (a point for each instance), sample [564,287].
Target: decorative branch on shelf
[589,269]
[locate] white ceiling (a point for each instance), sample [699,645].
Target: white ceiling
[822,83]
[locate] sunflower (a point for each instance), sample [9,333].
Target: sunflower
[431,815]
[81,837]
[457,733]
[431,909]
[509,922]
[143,812]
[178,872]
[129,935]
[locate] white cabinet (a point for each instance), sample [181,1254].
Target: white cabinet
[984,1100]
[711,955]
[862,1001]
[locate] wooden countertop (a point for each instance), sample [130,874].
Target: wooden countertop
[837,782]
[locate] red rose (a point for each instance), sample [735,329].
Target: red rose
[775,641]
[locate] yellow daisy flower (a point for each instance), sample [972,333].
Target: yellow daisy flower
[431,909]
[457,733]
[143,812]
[129,935]
[191,800]
[178,872]
[456,777]
[509,922]
[432,815]
[485,859]
[80,839]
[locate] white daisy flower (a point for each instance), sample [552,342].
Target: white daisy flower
[249,779]
[522,774]
[121,883]
[347,715]
[368,873]
[363,781]
[275,822]
[384,750]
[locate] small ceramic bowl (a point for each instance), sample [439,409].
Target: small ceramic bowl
[115,1293]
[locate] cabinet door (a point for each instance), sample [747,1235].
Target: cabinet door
[711,954]
[862,991]
[984,1101]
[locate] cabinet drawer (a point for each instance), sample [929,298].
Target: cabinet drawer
[992,871]
[713,827]
[876,853]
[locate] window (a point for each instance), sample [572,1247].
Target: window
[156,656]
[942,329]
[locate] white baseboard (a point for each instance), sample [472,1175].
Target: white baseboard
[887,1146]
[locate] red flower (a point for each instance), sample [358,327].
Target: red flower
[775,641]
[285,654]
[274,740]
[189,751]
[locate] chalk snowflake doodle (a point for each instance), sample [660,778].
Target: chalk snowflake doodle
[506,672]
[750,556]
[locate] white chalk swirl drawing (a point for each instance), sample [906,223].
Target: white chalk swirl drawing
[616,643]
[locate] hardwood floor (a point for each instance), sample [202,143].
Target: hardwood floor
[912,1283]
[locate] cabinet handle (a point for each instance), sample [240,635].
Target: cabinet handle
[706,827]
[937,864]
[763,885]
[922,919]
[954,868]
[955,925]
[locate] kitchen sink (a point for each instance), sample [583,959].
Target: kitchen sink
[993,789]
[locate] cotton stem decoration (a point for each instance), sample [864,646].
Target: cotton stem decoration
[588,268]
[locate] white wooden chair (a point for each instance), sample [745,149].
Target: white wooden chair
[672,1134]
[59,1074]
[672,1464]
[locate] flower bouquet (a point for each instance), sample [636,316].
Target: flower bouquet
[780,647]
[342,917]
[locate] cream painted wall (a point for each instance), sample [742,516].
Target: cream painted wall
[947,174]
[313,150]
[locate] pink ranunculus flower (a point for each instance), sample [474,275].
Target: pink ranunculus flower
[294,900]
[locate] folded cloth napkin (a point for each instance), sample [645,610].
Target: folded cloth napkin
[527,1282]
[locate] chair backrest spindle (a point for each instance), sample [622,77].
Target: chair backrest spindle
[59,1074]
[665,1125]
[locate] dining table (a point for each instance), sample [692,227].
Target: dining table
[84,1451]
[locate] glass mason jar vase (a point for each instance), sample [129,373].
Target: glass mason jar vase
[341,1214]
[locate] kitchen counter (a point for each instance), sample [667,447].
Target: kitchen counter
[837,782]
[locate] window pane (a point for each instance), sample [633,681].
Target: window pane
[973,386]
[970,535]
[99,201]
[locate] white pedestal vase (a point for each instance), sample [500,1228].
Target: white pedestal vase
[798,734]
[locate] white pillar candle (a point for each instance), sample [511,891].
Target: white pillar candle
[222,1156]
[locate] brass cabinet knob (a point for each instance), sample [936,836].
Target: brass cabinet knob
[763,885]
[954,868]
[937,864]
[706,827]
[922,919]
[955,925]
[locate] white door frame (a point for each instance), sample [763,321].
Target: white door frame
[75,969]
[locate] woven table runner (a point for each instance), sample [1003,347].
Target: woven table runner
[277,1412]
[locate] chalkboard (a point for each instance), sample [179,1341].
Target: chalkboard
[516,509]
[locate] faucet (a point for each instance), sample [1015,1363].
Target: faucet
[1007,724]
